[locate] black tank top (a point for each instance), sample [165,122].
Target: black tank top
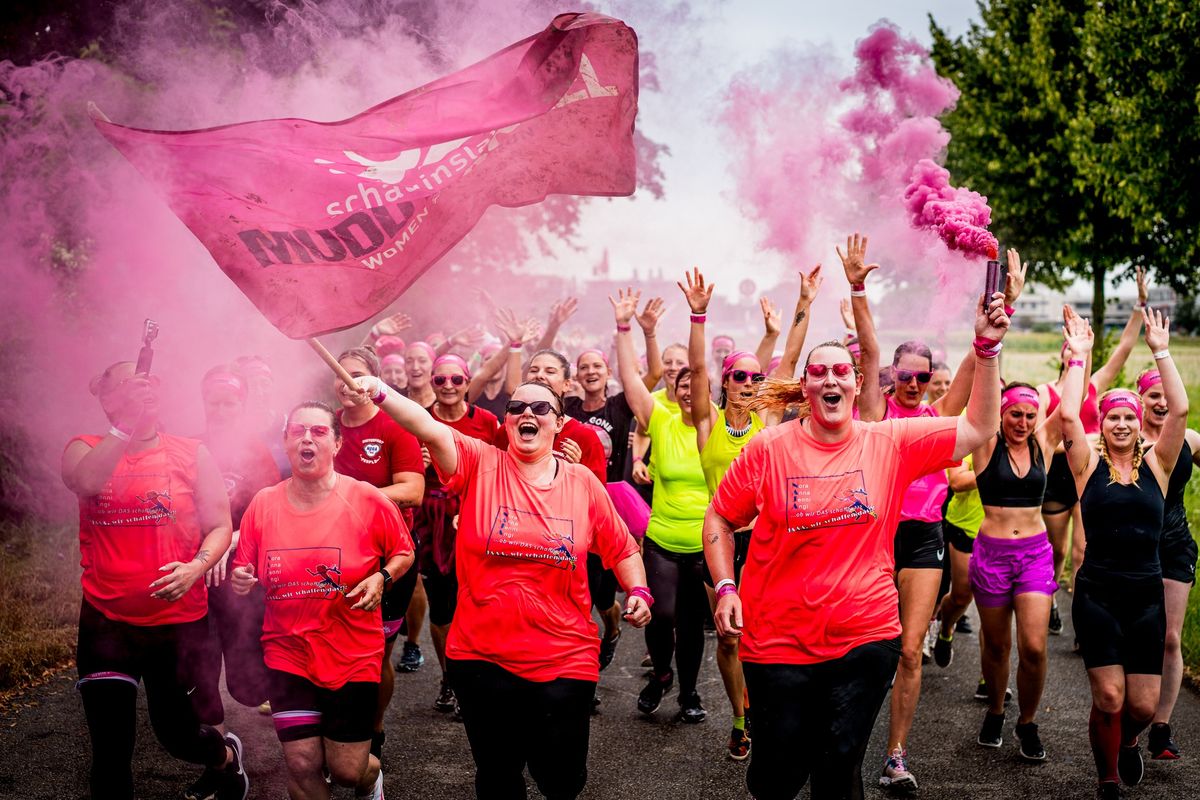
[1175,523]
[1000,486]
[1123,525]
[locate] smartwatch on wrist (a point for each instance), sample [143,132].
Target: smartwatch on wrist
[387,577]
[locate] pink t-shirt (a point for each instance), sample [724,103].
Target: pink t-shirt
[521,555]
[924,498]
[818,577]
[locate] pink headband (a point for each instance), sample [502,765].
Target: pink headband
[733,358]
[386,345]
[1148,379]
[1121,398]
[457,361]
[1019,394]
[597,351]
[722,339]
[426,346]
[392,358]
[226,379]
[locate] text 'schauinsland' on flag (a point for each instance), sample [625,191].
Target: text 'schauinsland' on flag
[323,225]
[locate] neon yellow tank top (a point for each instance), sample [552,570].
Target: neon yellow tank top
[722,448]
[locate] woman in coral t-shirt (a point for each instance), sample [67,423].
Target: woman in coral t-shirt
[821,627]
[523,645]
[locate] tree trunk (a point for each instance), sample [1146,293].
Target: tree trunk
[1099,273]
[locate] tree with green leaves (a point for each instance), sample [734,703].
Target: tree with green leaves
[1078,120]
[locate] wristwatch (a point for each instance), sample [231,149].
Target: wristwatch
[387,577]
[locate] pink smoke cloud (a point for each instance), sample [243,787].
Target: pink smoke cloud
[959,216]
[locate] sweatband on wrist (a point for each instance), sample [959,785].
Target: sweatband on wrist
[515,345]
[642,592]
[699,317]
[728,588]
[858,287]
[624,328]
[1075,362]
[726,582]
[637,459]
[1161,354]
[985,352]
[382,395]
[120,434]
[858,294]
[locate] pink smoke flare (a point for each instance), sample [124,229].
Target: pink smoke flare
[959,216]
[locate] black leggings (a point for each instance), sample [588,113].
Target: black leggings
[816,719]
[512,722]
[112,658]
[680,606]
[235,637]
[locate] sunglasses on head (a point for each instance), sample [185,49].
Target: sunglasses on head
[819,371]
[904,376]
[540,408]
[457,380]
[295,430]
[740,376]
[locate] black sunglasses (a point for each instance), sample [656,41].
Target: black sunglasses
[904,376]
[539,407]
[440,380]
[740,376]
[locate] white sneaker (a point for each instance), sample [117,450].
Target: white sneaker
[930,640]
[377,789]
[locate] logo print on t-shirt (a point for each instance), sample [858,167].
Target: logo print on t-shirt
[304,572]
[147,508]
[371,450]
[528,536]
[825,501]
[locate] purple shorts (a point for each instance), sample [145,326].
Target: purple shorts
[1001,569]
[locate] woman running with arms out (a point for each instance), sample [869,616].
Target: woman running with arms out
[1118,607]
[523,646]
[817,608]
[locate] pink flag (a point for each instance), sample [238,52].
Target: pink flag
[323,225]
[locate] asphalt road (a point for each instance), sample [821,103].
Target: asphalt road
[44,742]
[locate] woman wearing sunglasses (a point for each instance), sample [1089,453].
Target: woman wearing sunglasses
[325,547]
[523,649]
[820,628]
[1118,607]
[435,529]
[377,450]
[721,433]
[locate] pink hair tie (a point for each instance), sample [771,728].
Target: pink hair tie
[1148,379]
[450,358]
[1121,398]
[1019,394]
[733,358]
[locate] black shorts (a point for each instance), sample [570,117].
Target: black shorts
[441,591]
[602,583]
[1061,495]
[919,545]
[741,547]
[1177,553]
[957,538]
[1120,624]
[395,602]
[301,710]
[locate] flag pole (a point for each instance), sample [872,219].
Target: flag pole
[337,368]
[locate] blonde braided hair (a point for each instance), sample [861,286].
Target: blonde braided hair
[1114,476]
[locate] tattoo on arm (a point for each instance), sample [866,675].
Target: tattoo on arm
[1068,444]
[714,537]
[800,315]
[202,556]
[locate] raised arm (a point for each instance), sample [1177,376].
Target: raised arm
[698,294]
[954,400]
[467,337]
[648,319]
[636,394]
[810,284]
[1174,430]
[388,326]
[772,326]
[983,409]
[436,437]
[512,334]
[1104,377]
[1078,333]
[560,312]
[870,398]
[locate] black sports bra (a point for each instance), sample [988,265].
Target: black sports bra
[1000,486]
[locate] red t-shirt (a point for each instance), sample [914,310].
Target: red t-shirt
[145,517]
[478,423]
[246,466]
[376,450]
[306,561]
[583,435]
[818,578]
[523,599]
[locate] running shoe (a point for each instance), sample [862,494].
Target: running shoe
[992,732]
[1056,623]
[1130,766]
[446,700]
[690,710]
[895,772]
[982,696]
[651,697]
[943,651]
[456,713]
[1031,743]
[608,649]
[376,790]
[1162,745]
[739,744]
[963,626]
[1108,790]
[410,658]
[235,784]
[930,637]
[647,661]
[206,786]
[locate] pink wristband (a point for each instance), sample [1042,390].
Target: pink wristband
[1009,311]
[983,341]
[699,317]
[624,328]
[728,588]
[642,592]
[858,287]
[1075,362]
[515,345]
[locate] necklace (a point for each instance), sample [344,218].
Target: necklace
[737,432]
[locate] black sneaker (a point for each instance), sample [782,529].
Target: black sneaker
[963,626]
[992,732]
[446,700]
[651,697]
[206,786]
[1108,790]
[410,658]
[235,783]
[1130,766]
[690,710]
[1056,623]
[982,696]
[377,739]
[1031,743]
[1162,746]
[608,649]
[943,651]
